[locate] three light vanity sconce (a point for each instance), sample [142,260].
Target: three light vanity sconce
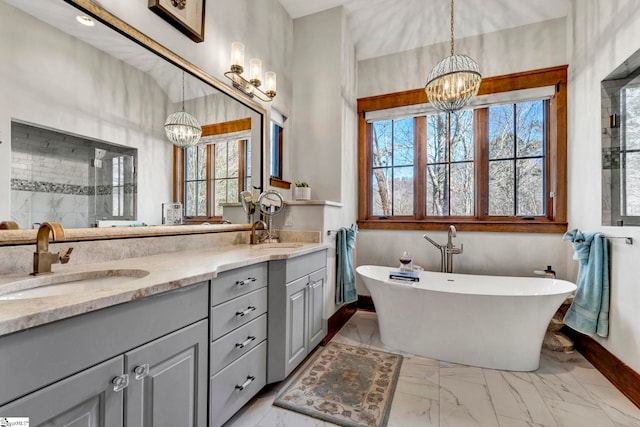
[251,87]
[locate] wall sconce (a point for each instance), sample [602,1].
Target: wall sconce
[250,87]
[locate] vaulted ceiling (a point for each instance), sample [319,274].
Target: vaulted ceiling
[382,27]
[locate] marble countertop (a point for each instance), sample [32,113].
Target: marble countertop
[167,271]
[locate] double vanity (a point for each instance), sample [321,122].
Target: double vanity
[180,338]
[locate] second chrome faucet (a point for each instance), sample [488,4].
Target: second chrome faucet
[447,251]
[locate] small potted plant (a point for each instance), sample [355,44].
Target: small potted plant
[302,191]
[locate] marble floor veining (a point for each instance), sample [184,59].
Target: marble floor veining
[565,391]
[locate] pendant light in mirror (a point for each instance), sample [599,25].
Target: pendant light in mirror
[182,128]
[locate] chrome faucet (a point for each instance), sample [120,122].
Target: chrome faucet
[447,251]
[253,240]
[42,258]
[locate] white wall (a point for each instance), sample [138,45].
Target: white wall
[324,122]
[524,48]
[603,35]
[50,79]
[316,122]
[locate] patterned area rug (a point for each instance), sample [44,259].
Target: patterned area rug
[346,385]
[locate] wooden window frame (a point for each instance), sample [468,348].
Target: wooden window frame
[556,219]
[178,168]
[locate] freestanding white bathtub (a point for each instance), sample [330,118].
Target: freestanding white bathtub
[487,321]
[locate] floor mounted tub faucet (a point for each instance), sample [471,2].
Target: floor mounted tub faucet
[447,251]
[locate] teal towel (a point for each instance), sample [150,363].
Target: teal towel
[589,312]
[345,277]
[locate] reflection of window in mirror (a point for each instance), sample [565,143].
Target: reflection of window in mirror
[277,131]
[215,171]
[276,150]
[621,145]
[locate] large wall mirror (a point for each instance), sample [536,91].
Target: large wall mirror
[84,106]
[621,145]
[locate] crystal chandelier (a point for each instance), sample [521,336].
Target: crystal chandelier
[182,128]
[453,81]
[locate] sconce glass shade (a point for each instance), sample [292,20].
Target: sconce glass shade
[182,129]
[237,57]
[270,83]
[453,82]
[250,87]
[255,71]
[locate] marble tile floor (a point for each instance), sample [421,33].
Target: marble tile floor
[565,391]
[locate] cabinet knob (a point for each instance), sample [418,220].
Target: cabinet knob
[245,342]
[120,382]
[141,371]
[245,282]
[247,311]
[246,383]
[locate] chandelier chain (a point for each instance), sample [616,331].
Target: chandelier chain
[451,27]
[183,90]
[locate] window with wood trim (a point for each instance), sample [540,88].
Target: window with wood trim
[499,165]
[214,172]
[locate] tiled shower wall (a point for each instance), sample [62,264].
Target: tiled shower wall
[49,178]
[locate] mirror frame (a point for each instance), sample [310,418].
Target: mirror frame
[21,237]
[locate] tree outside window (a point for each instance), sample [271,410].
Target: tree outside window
[498,167]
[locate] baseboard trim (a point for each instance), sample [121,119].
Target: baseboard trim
[365,302]
[338,320]
[621,376]
[344,313]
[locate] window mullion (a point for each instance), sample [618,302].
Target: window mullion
[420,166]
[481,162]
[210,174]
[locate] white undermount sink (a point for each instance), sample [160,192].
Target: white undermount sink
[57,284]
[278,245]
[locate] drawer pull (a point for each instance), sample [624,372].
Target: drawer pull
[246,383]
[245,282]
[120,382]
[247,311]
[141,371]
[245,343]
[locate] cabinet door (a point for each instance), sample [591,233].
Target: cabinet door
[86,399]
[168,380]
[296,323]
[317,324]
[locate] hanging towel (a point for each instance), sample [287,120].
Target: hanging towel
[345,278]
[589,312]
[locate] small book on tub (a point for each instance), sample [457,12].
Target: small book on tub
[408,276]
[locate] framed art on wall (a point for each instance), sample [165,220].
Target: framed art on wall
[187,16]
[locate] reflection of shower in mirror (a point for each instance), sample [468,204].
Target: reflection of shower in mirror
[69,179]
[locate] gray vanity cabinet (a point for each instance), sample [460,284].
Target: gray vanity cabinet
[86,399]
[296,314]
[238,352]
[138,364]
[167,385]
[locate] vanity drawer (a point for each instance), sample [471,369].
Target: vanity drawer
[232,314]
[303,265]
[233,283]
[225,392]
[236,343]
